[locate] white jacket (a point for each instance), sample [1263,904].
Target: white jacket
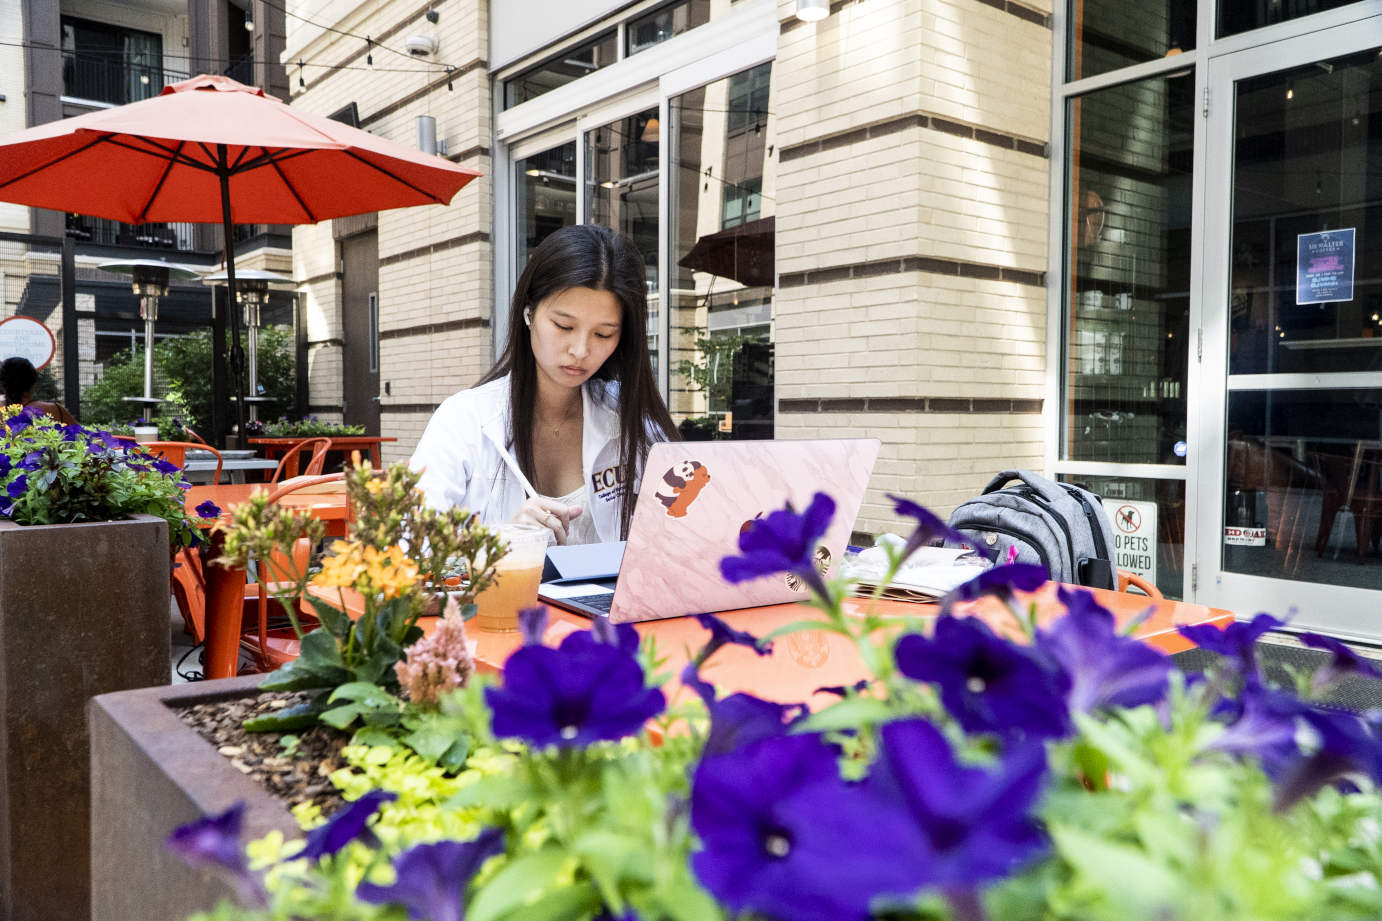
[464,459]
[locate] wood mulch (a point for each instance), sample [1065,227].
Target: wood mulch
[298,773]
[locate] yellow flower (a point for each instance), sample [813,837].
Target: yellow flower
[374,485]
[343,568]
[389,571]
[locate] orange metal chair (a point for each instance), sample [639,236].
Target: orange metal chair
[1127,580]
[193,436]
[175,452]
[189,591]
[267,633]
[288,464]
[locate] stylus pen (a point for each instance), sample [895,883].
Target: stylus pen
[517,471]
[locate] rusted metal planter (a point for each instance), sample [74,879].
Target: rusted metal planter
[150,773]
[83,611]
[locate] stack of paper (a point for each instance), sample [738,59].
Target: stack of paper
[927,574]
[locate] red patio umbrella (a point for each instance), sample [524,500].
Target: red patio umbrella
[212,150]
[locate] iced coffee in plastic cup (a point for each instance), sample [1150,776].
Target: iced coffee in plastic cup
[516,578]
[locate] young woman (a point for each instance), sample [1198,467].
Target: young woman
[17,377]
[556,433]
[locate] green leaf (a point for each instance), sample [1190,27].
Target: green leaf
[682,900]
[501,793]
[365,693]
[565,903]
[847,714]
[1130,882]
[611,857]
[516,883]
[300,716]
[341,717]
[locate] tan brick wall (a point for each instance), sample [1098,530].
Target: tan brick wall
[425,287]
[914,191]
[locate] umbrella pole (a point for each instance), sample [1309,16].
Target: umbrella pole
[237,354]
[148,305]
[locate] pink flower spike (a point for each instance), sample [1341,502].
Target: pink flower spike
[1012,554]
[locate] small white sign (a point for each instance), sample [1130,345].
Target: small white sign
[1245,537]
[27,338]
[1134,536]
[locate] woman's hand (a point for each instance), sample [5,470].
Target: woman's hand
[554,516]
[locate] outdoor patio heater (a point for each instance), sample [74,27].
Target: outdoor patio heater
[149,281]
[252,291]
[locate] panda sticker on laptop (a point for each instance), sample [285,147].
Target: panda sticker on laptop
[681,485]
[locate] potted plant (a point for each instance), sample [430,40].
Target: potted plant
[1072,775]
[87,522]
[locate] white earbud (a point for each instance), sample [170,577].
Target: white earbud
[528,315]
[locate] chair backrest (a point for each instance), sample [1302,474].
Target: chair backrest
[193,436]
[289,464]
[175,452]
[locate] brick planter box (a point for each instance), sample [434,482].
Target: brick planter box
[83,611]
[150,773]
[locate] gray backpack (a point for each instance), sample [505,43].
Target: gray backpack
[1057,525]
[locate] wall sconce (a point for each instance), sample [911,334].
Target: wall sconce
[812,10]
[249,20]
[651,131]
[427,134]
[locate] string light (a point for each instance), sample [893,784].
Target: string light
[369,51]
[302,84]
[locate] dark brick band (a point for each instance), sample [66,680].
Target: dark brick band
[408,408]
[478,236]
[923,120]
[325,408]
[429,329]
[912,264]
[963,405]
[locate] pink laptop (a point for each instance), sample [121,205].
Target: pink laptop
[694,499]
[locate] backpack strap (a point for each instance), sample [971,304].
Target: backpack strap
[1045,488]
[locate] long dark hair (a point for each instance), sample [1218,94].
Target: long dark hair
[589,256]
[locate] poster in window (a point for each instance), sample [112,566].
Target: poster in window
[1324,266]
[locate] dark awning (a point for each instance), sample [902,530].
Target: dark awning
[743,253]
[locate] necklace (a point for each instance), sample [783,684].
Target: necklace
[557,427]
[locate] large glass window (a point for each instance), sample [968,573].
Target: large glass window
[1128,272]
[572,64]
[1241,15]
[720,262]
[546,184]
[1108,34]
[1148,518]
[1306,178]
[665,22]
[621,163]
[107,63]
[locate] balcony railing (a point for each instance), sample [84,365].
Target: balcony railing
[86,76]
[180,237]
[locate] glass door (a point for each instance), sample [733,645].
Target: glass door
[1289,468]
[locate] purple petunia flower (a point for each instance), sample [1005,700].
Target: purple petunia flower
[432,878]
[1236,641]
[17,486]
[987,683]
[345,826]
[1345,660]
[532,623]
[1263,725]
[33,460]
[971,824]
[165,466]
[213,842]
[1000,581]
[72,432]
[208,509]
[783,836]
[6,465]
[581,692]
[1345,745]
[722,634]
[784,541]
[930,528]
[622,635]
[1105,669]
[21,420]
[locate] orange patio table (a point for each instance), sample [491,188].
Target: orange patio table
[225,585]
[277,447]
[803,662]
